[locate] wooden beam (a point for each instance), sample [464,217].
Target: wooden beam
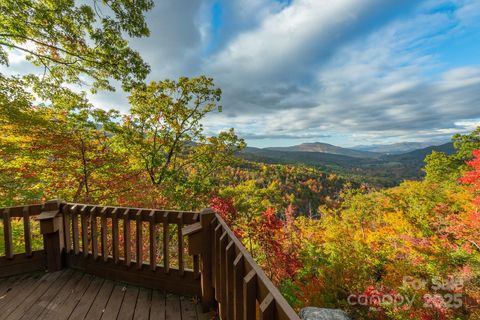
[139,239]
[126,238]
[229,275]
[250,295]
[115,236]
[206,216]
[181,251]
[153,241]
[166,244]
[75,234]
[267,308]
[238,274]
[84,219]
[51,227]
[26,231]
[7,234]
[104,233]
[94,232]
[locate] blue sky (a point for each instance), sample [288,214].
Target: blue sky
[346,72]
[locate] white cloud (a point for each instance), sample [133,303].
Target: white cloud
[179,30]
[355,69]
[288,43]
[389,83]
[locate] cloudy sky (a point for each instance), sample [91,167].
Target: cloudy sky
[345,72]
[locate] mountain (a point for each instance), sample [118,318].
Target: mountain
[320,159]
[395,148]
[382,170]
[420,154]
[326,148]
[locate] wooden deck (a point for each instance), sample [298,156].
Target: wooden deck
[71,294]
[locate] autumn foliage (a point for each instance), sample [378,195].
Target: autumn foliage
[323,240]
[472,178]
[407,252]
[411,252]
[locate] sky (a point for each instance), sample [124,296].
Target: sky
[345,72]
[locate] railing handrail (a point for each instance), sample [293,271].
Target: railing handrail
[188,217]
[283,308]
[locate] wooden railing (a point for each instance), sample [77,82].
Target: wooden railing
[135,245]
[230,276]
[146,247]
[30,258]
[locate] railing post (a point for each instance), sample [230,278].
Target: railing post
[206,216]
[51,227]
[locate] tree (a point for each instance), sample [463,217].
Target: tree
[69,44]
[464,227]
[73,41]
[164,131]
[472,177]
[83,162]
[64,150]
[440,167]
[250,201]
[53,142]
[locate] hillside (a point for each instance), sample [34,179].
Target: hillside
[395,148]
[419,154]
[381,170]
[305,157]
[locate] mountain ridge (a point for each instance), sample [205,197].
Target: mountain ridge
[385,170]
[326,148]
[396,148]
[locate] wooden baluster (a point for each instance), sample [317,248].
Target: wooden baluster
[229,258]
[7,233]
[103,233]
[223,279]
[238,274]
[26,231]
[126,237]
[214,259]
[196,266]
[66,228]
[75,235]
[181,263]
[84,218]
[166,244]
[94,232]
[250,295]
[267,308]
[139,242]
[206,216]
[153,241]
[115,236]
[214,250]
[218,286]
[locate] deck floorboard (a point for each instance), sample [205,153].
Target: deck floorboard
[71,294]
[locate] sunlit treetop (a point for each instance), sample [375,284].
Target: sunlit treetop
[76,43]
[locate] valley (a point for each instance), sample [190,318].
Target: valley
[378,169]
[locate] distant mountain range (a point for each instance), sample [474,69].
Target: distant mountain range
[361,151]
[420,154]
[327,148]
[396,148]
[383,169]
